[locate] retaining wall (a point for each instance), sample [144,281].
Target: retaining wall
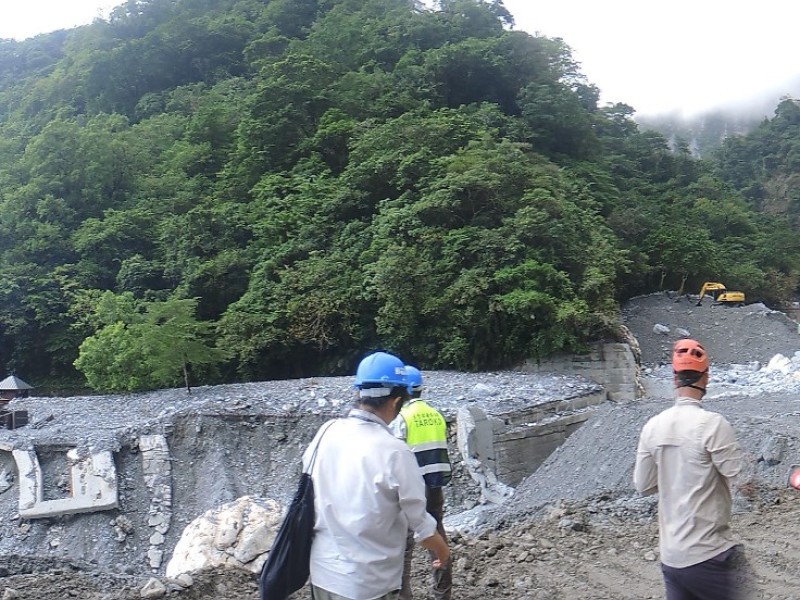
[521,441]
[611,365]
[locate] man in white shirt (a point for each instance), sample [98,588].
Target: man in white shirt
[368,493]
[689,457]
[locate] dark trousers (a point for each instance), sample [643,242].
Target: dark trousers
[723,577]
[442,578]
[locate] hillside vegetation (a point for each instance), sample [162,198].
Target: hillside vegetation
[250,189]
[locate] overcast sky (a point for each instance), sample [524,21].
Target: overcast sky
[682,55]
[20,20]
[690,56]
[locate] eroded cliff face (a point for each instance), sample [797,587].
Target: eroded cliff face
[161,482]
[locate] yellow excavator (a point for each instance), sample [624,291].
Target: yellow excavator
[720,294]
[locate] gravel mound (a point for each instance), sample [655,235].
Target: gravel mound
[761,402]
[732,335]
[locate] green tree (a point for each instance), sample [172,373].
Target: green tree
[329,175]
[145,345]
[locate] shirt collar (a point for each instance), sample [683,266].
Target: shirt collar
[365,415]
[684,400]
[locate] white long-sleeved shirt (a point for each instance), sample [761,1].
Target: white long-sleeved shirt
[368,494]
[689,456]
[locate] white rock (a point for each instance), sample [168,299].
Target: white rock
[481,390]
[156,519]
[153,589]
[156,539]
[209,540]
[778,363]
[255,540]
[155,556]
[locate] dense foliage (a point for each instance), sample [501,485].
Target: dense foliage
[311,179]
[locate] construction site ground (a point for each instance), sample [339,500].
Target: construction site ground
[574,529]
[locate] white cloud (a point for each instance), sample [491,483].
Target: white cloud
[683,55]
[20,20]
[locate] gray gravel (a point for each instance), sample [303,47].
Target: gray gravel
[108,422]
[732,335]
[762,403]
[232,440]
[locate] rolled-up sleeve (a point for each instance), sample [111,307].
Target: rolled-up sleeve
[645,471]
[411,492]
[720,441]
[399,428]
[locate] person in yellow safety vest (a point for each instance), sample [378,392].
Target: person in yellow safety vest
[425,431]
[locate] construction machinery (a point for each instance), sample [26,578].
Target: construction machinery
[720,294]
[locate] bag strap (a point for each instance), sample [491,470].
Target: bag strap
[313,458]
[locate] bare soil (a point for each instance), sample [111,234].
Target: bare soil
[538,558]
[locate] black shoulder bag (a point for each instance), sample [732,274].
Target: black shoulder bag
[288,565]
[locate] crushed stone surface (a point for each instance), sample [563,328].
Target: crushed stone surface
[731,334]
[573,529]
[107,421]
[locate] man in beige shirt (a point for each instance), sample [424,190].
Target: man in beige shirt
[689,457]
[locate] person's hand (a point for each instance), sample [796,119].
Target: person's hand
[440,549]
[438,563]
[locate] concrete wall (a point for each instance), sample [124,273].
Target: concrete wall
[522,450]
[520,442]
[611,365]
[514,445]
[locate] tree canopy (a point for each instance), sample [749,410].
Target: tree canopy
[272,188]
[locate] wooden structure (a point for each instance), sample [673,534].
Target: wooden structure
[13,387]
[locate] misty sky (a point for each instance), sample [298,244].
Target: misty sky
[690,56]
[20,20]
[683,55]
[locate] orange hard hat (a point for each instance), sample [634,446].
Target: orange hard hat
[689,355]
[794,479]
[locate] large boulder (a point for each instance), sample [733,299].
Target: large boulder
[236,535]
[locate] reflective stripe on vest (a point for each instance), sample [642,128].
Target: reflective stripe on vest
[427,438]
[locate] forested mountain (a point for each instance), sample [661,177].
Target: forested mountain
[270,188]
[703,134]
[764,166]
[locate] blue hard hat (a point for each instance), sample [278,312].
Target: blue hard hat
[414,379]
[383,369]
